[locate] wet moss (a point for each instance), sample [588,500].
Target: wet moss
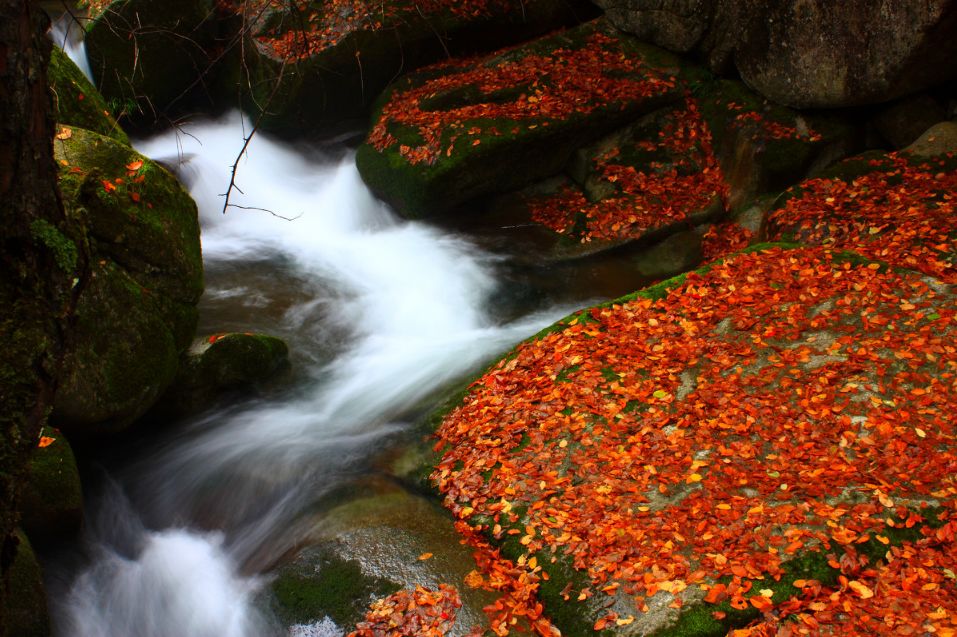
[335,588]
[64,250]
[25,611]
[51,504]
[75,100]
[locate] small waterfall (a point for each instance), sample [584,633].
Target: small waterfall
[67,32]
[400,305]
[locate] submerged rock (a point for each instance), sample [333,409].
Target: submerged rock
[369,547]
[76,101]
[51,504]
[463,129]
[218,365]
[137,311]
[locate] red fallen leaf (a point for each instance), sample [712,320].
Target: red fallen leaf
[108,186]
[215,337]
[135,165]
[45,441]
[716,594]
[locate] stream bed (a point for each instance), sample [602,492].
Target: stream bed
[231,524]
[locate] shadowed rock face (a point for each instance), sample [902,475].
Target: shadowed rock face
[807,53]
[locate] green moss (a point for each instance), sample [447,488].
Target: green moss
[64,250]
[334,587]
[25,612]
[51,504]
[75,100]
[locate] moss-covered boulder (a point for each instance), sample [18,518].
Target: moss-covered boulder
[25,612]
[221,364]
[137,312]
[155,60]
[51,504]
[319,65]
[76,101]
[894,207]
[463,129]
[750,444]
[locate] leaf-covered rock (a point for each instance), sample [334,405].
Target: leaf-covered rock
[896,207]
[137,312]
[466,128]
[749,442]
[318,66]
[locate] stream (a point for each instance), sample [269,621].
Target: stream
[381,315]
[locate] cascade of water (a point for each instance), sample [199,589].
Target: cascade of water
[406,303]
[66,32]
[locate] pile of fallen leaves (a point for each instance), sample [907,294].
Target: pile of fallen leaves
[566,82]
[785,403]
[902,211]
[419,612]
[723,239]
[646,197]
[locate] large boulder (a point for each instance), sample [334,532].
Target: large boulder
[807,53]
[137,312]
[155,60]
[748,444]
[317,67]
[463,129]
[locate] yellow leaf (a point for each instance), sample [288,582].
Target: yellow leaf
[863,591]
[65,133]
[425,556]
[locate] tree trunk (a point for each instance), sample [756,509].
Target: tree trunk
[41,266]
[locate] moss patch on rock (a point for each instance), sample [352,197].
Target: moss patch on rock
[51,504]
[76,101]
[25,611]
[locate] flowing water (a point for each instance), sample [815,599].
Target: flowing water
[380,314]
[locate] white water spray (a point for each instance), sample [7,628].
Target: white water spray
[405,305]
[67,33]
